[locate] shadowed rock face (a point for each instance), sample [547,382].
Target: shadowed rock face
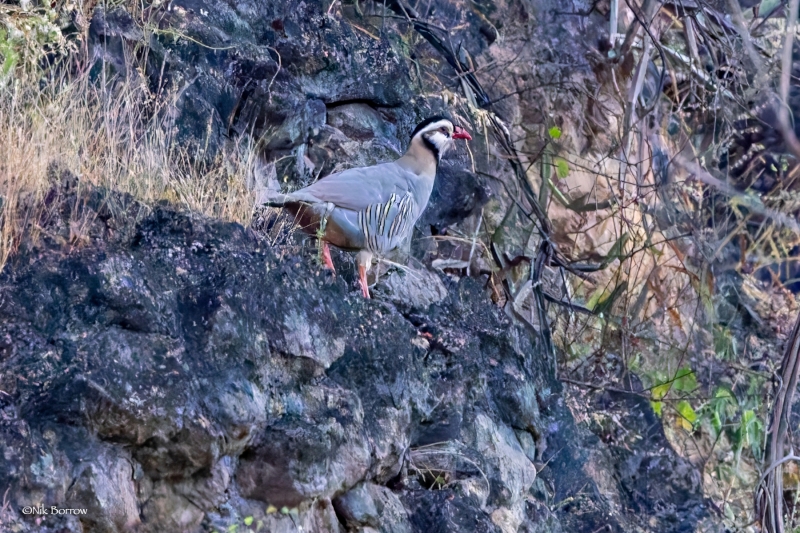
[175,373]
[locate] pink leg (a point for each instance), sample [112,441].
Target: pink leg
[326,257]
[362,280]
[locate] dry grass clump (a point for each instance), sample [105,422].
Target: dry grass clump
[111,135]
[108,130]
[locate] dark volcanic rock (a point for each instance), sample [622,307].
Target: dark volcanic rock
[264,67]
[175,373]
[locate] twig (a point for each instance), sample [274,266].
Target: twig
[613,19]
[280,64]
[697,72]
[691,40]
[769,493]
[750,202]
[439,448]
[648,10]
[747,41]
[633,97]
[474,241]
[786,127]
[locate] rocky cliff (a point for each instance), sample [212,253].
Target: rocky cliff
[175,373]
[169,372]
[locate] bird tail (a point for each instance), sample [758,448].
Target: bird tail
[276,200]
[298,197]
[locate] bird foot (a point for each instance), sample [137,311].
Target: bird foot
[326,257]
[362,281]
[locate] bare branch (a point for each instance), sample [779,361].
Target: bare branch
[787,130]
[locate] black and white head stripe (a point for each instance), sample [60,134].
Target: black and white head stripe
[431,120]
[436,134]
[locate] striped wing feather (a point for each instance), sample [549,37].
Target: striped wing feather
[385,225]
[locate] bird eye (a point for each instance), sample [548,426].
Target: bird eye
[444,130]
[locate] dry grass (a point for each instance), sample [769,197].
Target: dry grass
[114,135]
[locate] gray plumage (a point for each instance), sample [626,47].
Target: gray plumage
[373,209]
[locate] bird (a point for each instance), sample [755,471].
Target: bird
[372,210]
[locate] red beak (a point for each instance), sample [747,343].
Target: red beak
[461,133]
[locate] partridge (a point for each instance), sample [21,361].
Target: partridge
[373,209]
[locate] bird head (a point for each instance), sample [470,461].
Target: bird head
[438,134]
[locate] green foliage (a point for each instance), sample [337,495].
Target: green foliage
[724,343]
[688,415]
[599,295]
[248,521]
[8,54]
[737,417]
[27,35]
[562,167]
[722,408]
[749,433]
[684,381]
[554,132]
[657,394]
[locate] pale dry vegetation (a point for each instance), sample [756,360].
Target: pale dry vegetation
[108,130]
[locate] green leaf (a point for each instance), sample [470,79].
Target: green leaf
[659,391]
[752,431]
[724,341]
[723,396]
[596,297]
[657,407]
[617,250]
[722,406]
[562,167]
[716,422]
[685,380]
[605,304]
[686,411]
[248,521]
[554,132]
